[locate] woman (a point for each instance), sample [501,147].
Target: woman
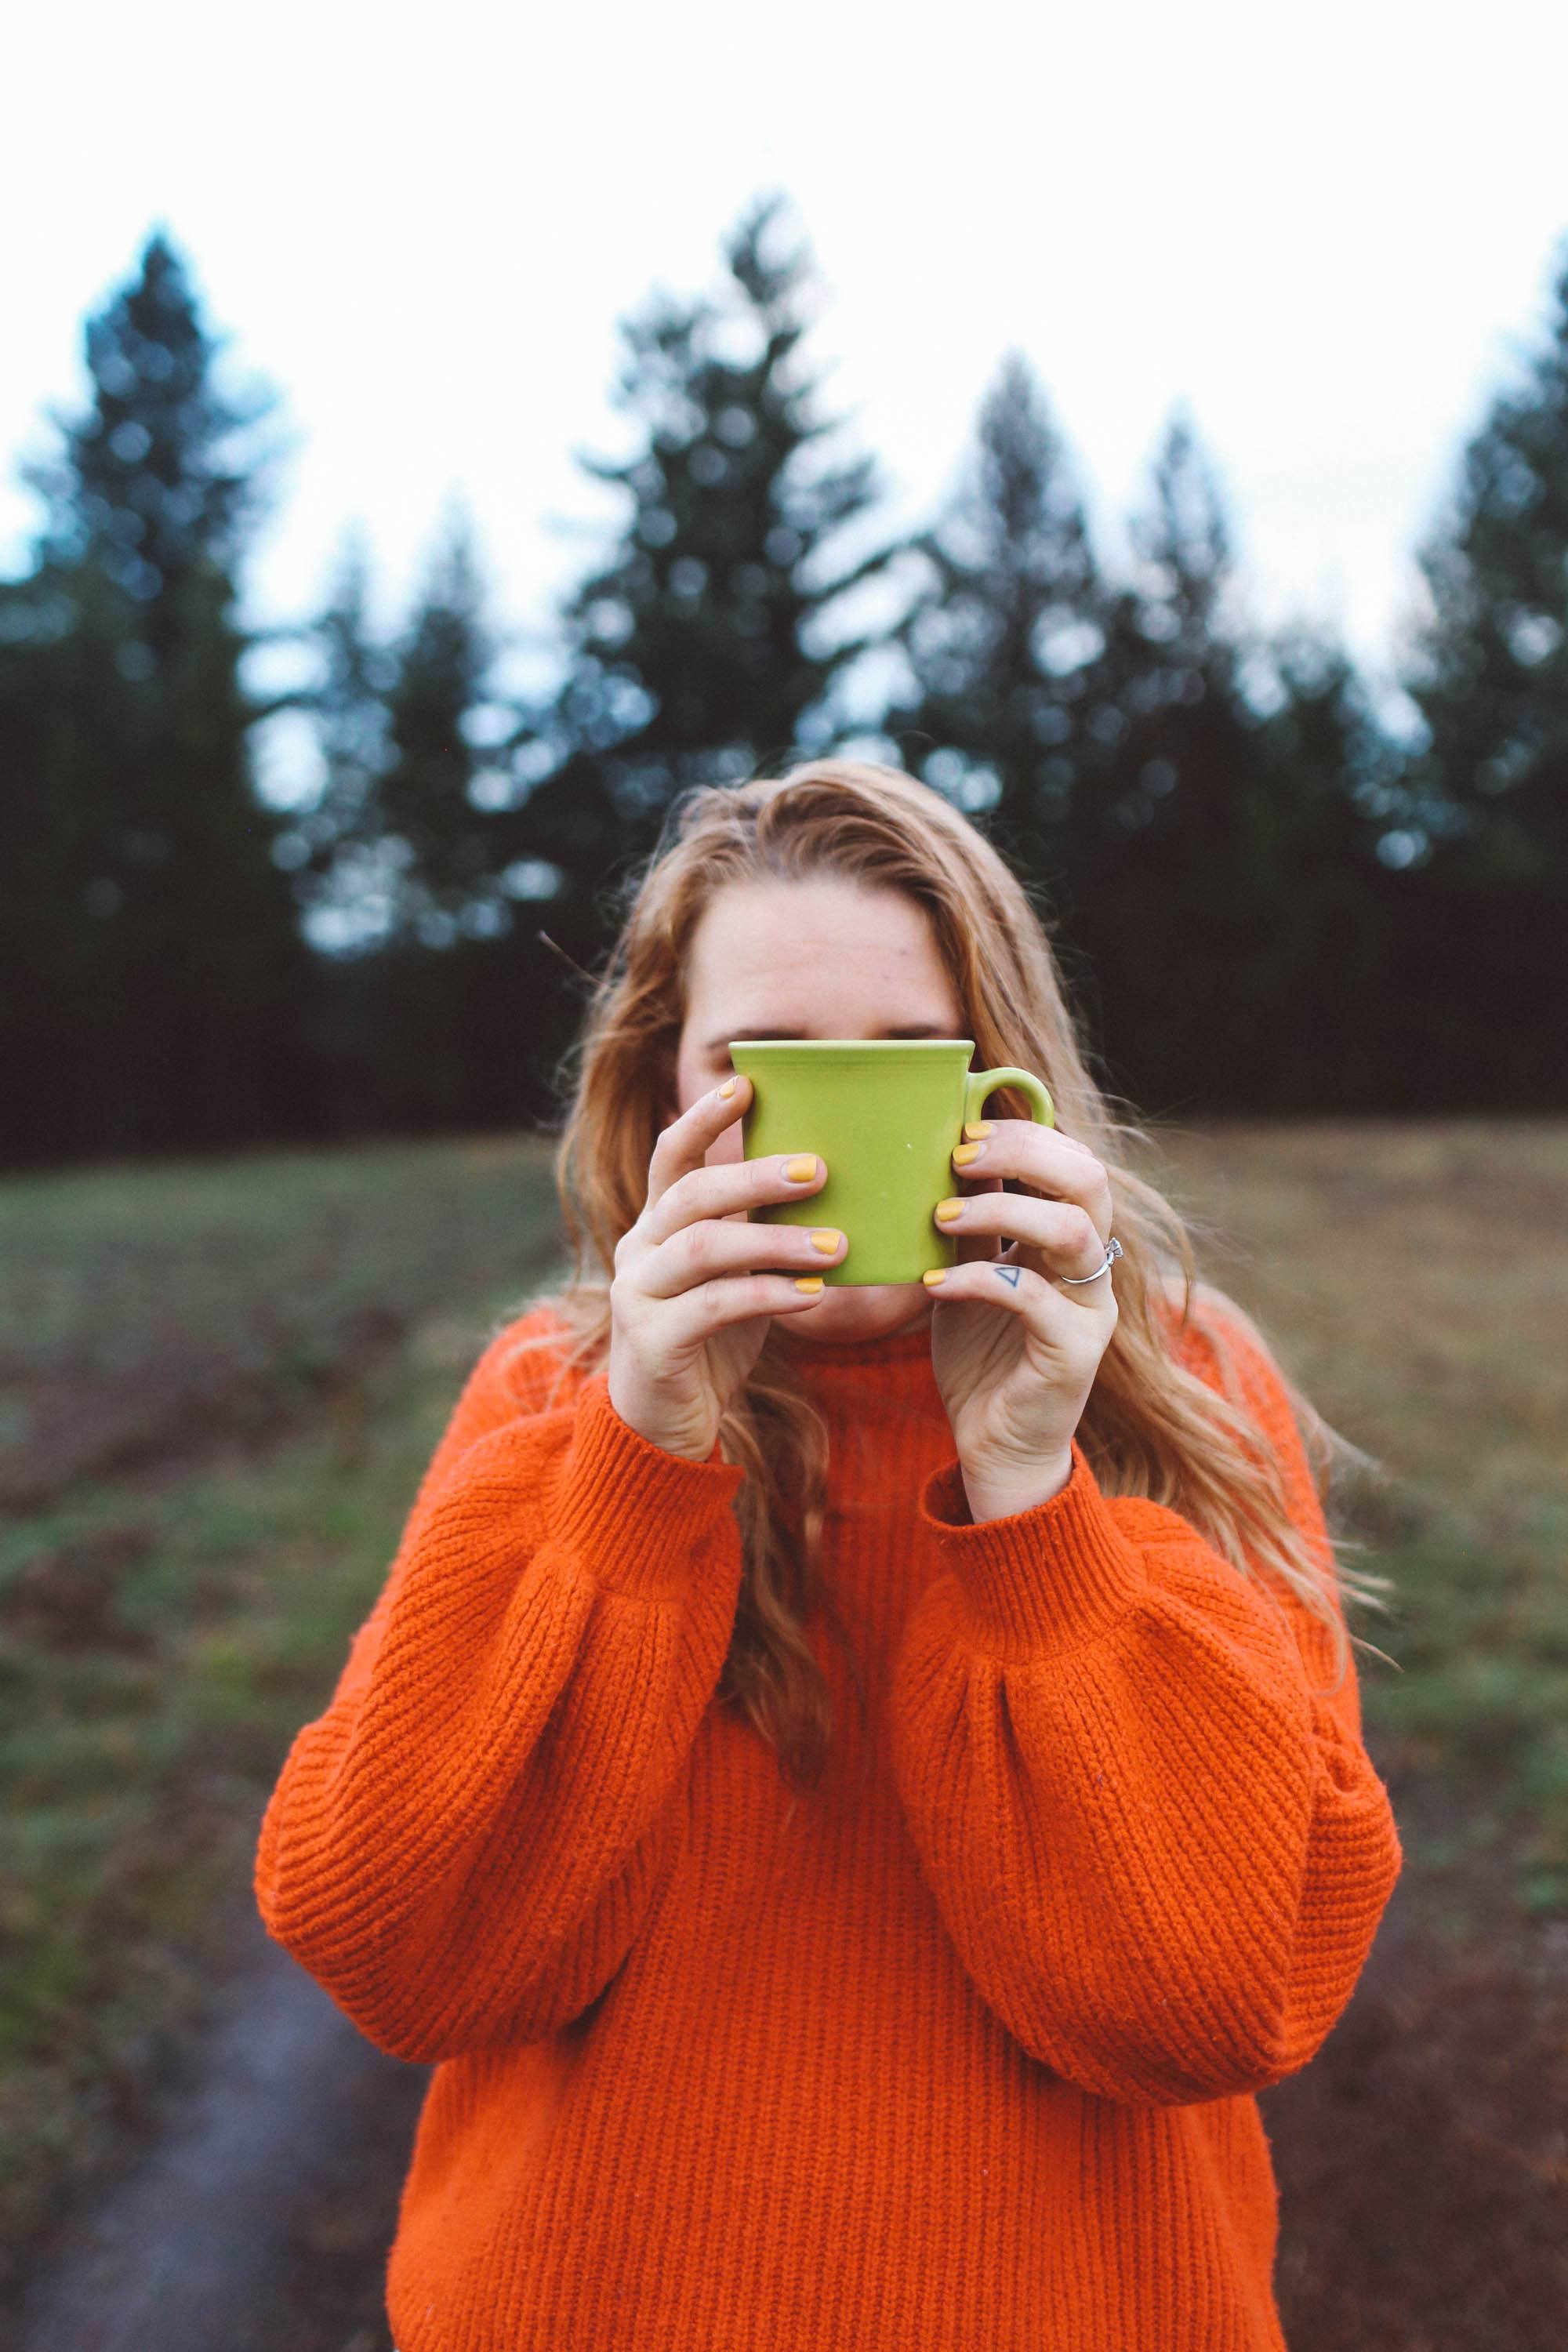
[853,1789]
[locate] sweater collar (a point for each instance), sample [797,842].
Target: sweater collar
[827,1355]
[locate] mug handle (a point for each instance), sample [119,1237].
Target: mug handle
[978,1084]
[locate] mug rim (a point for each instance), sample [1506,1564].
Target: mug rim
[850,1044]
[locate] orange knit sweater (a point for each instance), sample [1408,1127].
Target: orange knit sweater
[957,2055]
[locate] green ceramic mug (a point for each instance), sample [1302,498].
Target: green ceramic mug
[885,1113]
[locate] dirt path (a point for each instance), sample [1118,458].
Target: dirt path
[259,2222]
[1423,2164]
[1423,2156]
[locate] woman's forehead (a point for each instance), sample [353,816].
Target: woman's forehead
[865,965]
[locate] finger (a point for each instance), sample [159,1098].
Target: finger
[686,1140]
[738,1299]
[1010,1287]
[1042,1158]
[1050,1314]
[713,1247]
[1058,1231]
[732,1186]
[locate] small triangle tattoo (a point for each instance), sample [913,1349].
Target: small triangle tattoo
[1009,1274]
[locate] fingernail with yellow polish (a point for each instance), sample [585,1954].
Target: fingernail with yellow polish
[948,1210]
[801,1171]
[974,1127]
[933,1275]
[727,1089]
[964,1152]
[825,1240]
[808,1282]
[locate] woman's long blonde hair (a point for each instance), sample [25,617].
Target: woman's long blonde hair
[1152,1426]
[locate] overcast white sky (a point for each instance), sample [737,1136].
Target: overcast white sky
[1329,229]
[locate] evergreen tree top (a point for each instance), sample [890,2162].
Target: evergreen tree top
[729,416]
[1183,537]
[698,644]
[1489,666]
[1014,532]
[160,477]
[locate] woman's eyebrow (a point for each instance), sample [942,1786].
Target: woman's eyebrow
[922,1029]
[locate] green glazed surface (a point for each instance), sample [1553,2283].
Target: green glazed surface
[885,1114]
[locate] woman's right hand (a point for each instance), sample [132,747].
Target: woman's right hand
[688,1312]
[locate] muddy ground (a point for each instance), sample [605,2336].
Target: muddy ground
[1423,2156]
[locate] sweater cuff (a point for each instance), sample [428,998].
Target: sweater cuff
[1047,1580]
[633,1510]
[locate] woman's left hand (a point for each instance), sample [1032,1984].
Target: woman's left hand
[1015,1356]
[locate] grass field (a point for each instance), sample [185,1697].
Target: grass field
[1416,1279]
[219,1385]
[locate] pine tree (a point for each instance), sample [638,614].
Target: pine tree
[1326,979]
[439,1012]
[1172,893]
[335,845]
[1004,638]
[438,777]
[179,978]
[712,637]
[1486,902]
[159,479]
[58,684]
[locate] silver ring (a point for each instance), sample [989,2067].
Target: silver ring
[1113,1250]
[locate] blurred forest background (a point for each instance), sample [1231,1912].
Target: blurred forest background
[1368,909]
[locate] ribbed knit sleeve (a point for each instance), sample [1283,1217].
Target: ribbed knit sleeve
[1160,1852]
[462,1847]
